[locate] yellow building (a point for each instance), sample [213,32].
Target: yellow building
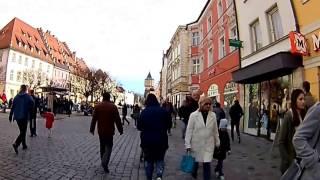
[307,41]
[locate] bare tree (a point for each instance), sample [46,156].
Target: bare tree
[34,78]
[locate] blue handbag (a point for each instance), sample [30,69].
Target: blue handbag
[187,163]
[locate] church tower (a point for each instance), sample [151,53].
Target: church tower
[148,85]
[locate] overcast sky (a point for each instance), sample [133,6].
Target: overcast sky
[123,37]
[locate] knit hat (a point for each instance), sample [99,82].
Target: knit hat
[223,123]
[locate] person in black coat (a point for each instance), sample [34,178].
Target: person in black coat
[236,113]
[219,112]
[154,123]
[221,152]
[124,114]
[33,118]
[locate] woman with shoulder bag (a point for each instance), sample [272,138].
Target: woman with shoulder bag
[291,121]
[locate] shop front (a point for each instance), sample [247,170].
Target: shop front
[267,85]
[213,93]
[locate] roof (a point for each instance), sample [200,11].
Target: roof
[149,76]
[24,38]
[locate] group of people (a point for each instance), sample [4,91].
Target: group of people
[24,110]
[204,133]
[299,134]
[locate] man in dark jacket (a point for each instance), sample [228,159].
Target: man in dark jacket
[33,119]
[106,114]
[219,112]
[124,114]
[21,111]
[236,113]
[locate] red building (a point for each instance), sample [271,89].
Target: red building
[211,53]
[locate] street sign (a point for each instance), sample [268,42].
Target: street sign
[235,43]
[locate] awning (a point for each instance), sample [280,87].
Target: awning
[274,66]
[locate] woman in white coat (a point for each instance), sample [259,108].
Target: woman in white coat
[202,136]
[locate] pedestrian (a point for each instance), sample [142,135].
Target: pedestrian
[224,146]
[124,114]
[202,137]
[219,112]
[169,108]
[154,123]
[49,116]
[21,111]
[307,145]
[309,99]
[236,113]
[136,113]
[290,123]
[107,116]
[184,115]
[33,119]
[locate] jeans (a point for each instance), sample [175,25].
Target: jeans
[33,126]
[23,125]
[149,166]
[235,123]
[106,144]
[206,170]
[219,167]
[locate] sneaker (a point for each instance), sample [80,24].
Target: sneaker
[15,148]
[217,174]
[159,178]
[221,177]
[25,147]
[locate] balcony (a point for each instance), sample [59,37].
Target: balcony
[182,80]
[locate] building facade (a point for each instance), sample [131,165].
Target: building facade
[269,71]
[306,41]
[148,85]
[212,56]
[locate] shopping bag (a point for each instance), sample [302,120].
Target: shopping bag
[187,163]
[294,171]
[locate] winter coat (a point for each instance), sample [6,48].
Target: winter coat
[287,152]
[309,100]
[219,114]
[202,138]
[22,107]
[107,115]
[224,144]
[154,123]
[235,112]
[306,136]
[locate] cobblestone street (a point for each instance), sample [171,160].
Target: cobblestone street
[73,153]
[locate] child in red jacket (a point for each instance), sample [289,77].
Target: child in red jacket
[49,121]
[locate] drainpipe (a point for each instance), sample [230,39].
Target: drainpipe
[295,16]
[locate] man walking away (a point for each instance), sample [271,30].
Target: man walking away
[106,114]
[236,113]
[309,99]
[33,119]
[21,110]
[124,114]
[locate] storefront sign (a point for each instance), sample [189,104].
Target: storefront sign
[213,90]
[235,43]
[316,42]
[230,88]
[298,43]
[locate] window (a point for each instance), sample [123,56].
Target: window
[12,92]
[195,39]
[48,69]
[13,57]
[20,60]
[19,76]
[256,36]
[220,9]
[275,24]
[233,35]
[222,48]
[26,61]
[25,77]
[195,66]
[210,57]
[33,63]
[11,75]
[209,23]
[40,66]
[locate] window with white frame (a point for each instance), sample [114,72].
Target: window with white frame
[256,36]
[233,35]
[220,9]
[195,39]
[210,57]
[33,63]
[18,76]
[26,61]
[40,66]
[20,59]
[222,47]
[48,69]
[275,24]
[13,57]
[209,23]
[195,66]
[25,77]
[11,75]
